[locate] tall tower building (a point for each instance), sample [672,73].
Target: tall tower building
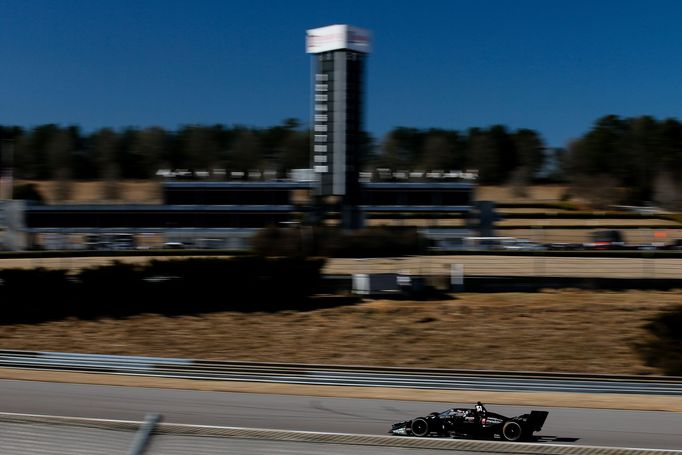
[338,108]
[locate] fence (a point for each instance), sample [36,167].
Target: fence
[514,266]
[536,265]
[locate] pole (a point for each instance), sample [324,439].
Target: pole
[144,434]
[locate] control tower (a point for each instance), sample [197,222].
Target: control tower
[339,53]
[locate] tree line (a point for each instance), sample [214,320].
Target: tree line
[629,160]
[619,160]
[55,152]
[497,153]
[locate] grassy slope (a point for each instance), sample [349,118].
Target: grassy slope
[578,331]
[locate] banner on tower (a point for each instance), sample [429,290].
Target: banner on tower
[336,37]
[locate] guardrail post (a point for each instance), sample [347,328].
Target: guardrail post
[144,434]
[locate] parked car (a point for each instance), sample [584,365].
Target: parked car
[484,243]
[563,246]
[606,240]
[521,245]
[174,245]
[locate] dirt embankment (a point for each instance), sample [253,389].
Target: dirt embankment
[574,331]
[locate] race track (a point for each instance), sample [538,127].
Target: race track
[306,413]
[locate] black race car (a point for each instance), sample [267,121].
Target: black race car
[473,423]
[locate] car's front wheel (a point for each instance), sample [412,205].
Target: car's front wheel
[512,431]
[420,427]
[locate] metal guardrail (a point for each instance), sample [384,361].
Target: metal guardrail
[339,375]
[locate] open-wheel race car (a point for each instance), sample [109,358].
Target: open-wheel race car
[476,422]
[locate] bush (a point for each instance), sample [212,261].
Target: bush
[374,242]
[33,295]
[247,283]
[275,241]
[664,348]
[333,242]
[28,192]
[185,286]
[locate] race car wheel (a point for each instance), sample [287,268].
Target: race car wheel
[512,431]
[420,427]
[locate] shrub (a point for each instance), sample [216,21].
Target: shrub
[275,241]
[28,192]
[33,295]
[184,286]
[334,242]
[374,242]
[664,348]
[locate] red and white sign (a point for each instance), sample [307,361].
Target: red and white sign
[336,37]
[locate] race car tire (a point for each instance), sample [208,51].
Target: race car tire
[420,427]
[512,431]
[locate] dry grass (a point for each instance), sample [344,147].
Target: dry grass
[577,331]
[535,193]
[91,192]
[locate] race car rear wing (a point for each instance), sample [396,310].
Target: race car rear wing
[536,419]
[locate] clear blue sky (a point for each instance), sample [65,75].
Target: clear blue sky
[551,65]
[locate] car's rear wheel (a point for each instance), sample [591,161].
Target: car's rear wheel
[420,427]
[512,431]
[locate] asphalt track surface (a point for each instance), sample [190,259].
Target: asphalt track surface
[641,429]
